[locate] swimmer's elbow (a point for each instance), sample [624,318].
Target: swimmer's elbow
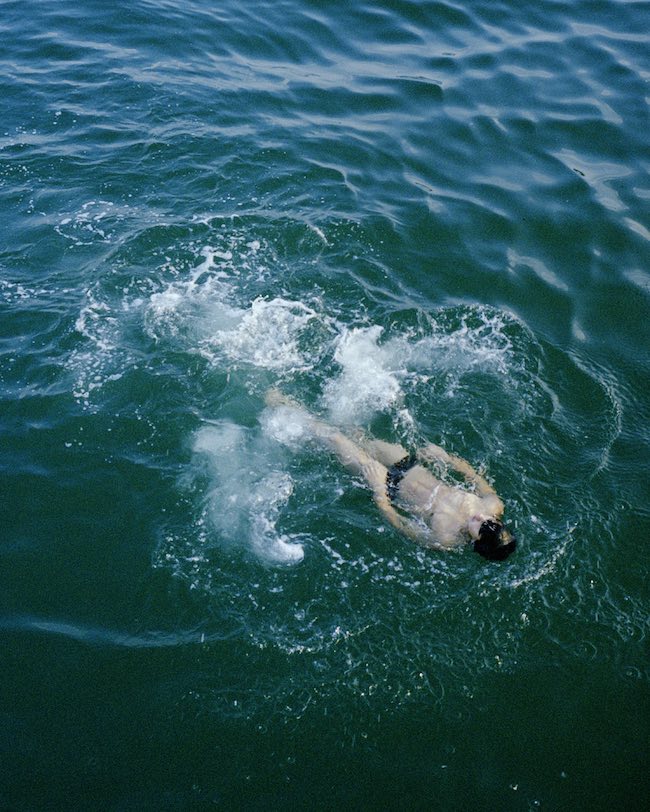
[392,516]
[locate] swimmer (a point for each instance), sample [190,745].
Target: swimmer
[439,515]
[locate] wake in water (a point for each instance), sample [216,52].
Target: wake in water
[362,372]
[247,493]
[460,376]
[280,534]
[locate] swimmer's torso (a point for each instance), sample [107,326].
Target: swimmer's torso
[453,513]
[445,509]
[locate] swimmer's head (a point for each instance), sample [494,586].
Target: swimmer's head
[494,542]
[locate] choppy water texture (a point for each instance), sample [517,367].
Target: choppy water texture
[424,220]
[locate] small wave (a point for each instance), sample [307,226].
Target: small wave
[96,221]
[17,293]
[100,636]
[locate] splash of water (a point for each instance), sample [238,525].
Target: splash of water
[246,492]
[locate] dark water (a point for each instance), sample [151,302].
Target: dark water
[423,219]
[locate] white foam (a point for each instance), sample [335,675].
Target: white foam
[285,425]
[266,503]
[368,381]
[193,306]
[12,292]
[96,324]
[267,335]
[374,373]
[477,342]
[204,313]
[95,221]
[319,233]
[209,255]
[15,292]
[247,492]
[92,363]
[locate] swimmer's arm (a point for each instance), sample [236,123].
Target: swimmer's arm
[375,475]
[408,528]
[358,461]
[431,453]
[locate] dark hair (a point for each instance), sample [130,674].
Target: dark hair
[494,542]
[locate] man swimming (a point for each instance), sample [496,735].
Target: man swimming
[441,515]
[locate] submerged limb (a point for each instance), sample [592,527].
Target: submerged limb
[387,453]
[351,455]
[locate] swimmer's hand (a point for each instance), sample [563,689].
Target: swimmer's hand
[375,475]
[433,453]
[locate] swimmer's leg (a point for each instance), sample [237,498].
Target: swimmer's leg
[274,397]
[351,455]
[356,459]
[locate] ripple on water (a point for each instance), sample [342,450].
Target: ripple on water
[463,375]
[375,112]
[200,302]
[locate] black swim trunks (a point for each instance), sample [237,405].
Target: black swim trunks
[396,474]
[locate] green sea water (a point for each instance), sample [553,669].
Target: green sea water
[423,220]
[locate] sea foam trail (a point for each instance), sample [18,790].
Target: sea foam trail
[369,380]
[246,492]
[221,312]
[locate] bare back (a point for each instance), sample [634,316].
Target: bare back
[444,508]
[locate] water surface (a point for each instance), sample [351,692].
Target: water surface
[424,220]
